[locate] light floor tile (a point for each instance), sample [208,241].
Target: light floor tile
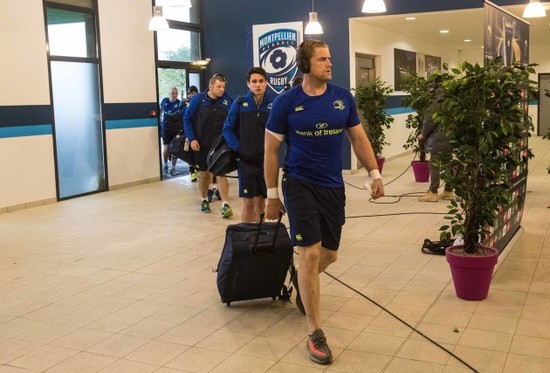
[486,339]
[198,360]
[522,363]
[83,362]
[531,346]
[17,326]
[377,344]
[493,323]
[114,322]
[129,366]
[482,360]
[43,358]
[118,345]
[47,333]
[226,341]
[14,348]
[423,350]
[247,364]
[82,339]
[282,367]
[157,353]
[358,361]
[266,347]
[399,365]
[148,328]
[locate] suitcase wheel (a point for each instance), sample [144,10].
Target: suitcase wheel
[228,303]
[274,298]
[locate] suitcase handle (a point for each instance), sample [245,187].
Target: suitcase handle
[262,215]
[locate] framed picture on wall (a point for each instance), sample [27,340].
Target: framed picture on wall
[433,64]
[405,67]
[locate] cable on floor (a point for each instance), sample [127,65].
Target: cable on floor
[402,321]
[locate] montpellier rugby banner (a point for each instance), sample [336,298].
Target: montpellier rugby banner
[274,47]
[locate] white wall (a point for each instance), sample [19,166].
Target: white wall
[372,40]
[26,163]
[128,61]
[128,56]
[23,65]
[27,166]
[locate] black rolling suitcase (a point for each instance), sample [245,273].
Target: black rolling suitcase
[255,261]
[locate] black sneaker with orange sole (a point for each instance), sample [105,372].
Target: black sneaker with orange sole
[319,351]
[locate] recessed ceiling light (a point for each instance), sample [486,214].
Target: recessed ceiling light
[467,40]
[443,31]
[410,18]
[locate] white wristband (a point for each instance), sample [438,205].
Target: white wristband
[375,174]
[272,193]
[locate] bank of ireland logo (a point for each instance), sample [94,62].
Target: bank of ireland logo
[278,57]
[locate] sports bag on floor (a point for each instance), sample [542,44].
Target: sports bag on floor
[255,261]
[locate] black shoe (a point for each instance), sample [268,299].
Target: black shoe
[318,349]
[299,303]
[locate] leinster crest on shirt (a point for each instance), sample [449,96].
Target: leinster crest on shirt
[277,55]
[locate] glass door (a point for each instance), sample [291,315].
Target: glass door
[76,100]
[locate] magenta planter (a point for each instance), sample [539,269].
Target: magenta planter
[471,274]
[380,163]
[421,171]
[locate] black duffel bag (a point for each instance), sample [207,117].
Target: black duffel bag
[181,148]
[221,159]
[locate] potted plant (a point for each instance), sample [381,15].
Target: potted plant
[371,103]
[421,93]
[483,115]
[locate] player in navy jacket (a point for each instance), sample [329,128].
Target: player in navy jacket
[203,121]
[244,132]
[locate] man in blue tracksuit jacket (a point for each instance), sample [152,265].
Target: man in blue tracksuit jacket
[203,122]
[244,132]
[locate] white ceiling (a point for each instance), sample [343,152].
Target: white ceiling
[462,24]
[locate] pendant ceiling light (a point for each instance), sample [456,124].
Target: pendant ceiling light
[374,6]
[158,22]
[313,27]
[534,10]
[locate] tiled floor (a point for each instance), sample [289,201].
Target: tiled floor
[122,282]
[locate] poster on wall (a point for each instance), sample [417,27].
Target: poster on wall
[433,64]
[506,36]
[274,48]
[405,67]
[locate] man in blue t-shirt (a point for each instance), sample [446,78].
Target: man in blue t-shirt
[312,118]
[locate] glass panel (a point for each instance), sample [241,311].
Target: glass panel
[81,3]
[71,34]
[179,10]
[178,45]
[195,79]
[78,128]
[169,78]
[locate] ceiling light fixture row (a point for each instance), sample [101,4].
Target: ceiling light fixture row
[534,9]
[158,22]
[369,6]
